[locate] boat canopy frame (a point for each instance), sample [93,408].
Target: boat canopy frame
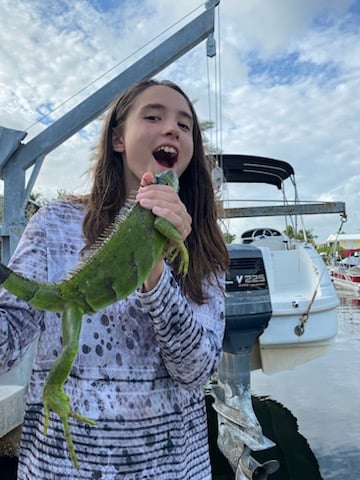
[242,168]
[239,168]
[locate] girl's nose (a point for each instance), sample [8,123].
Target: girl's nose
[171,127]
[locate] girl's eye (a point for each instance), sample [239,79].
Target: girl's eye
[152,118]
[184,126]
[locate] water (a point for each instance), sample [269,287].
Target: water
[313,411]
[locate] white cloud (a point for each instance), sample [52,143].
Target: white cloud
[50,51]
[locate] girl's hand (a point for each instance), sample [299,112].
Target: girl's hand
[164,202]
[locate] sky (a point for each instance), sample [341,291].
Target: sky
[284,83]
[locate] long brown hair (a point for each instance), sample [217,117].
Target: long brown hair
[207,249]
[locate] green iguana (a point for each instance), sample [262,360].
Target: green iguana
[130,247]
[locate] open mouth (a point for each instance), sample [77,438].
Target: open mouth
[166,156]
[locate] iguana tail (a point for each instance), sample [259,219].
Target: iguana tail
[45,296]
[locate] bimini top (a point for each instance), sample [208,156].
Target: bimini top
[253,169]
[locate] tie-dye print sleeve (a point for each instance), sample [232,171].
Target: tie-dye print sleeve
[19,322]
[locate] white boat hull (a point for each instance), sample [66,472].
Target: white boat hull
[302,295]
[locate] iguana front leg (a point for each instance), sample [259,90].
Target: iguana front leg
[175,244]
[54,397]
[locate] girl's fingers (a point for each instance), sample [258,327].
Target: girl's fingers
[180,220]
[164,202]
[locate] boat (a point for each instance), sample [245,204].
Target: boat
[345,274]
[303,298]
[280,307]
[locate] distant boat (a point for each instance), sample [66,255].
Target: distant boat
[346,274]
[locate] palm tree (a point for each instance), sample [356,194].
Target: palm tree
[300,235]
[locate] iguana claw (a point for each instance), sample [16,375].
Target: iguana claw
[176,245]
[56,400]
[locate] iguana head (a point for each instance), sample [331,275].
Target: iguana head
[168,177]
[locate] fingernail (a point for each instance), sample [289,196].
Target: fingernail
[144,202]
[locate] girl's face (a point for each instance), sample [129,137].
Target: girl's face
[157,136]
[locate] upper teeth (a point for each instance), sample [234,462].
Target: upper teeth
[167,149]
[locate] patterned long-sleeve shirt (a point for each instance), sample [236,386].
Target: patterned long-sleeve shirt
[139,373]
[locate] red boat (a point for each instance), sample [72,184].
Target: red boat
[346,274]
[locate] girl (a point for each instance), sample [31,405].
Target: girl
[142,362]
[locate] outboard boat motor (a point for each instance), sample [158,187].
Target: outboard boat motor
[248,311]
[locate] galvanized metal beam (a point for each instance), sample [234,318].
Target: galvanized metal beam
[9,141]
[281,210]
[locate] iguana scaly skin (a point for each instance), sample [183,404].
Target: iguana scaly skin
[118,264]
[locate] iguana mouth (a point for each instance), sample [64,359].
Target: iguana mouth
[166,156]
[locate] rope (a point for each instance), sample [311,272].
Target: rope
[300,329]
[343,220]
[215,100]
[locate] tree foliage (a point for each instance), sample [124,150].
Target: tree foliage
[300,235]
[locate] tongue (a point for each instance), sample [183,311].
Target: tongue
[165,159]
